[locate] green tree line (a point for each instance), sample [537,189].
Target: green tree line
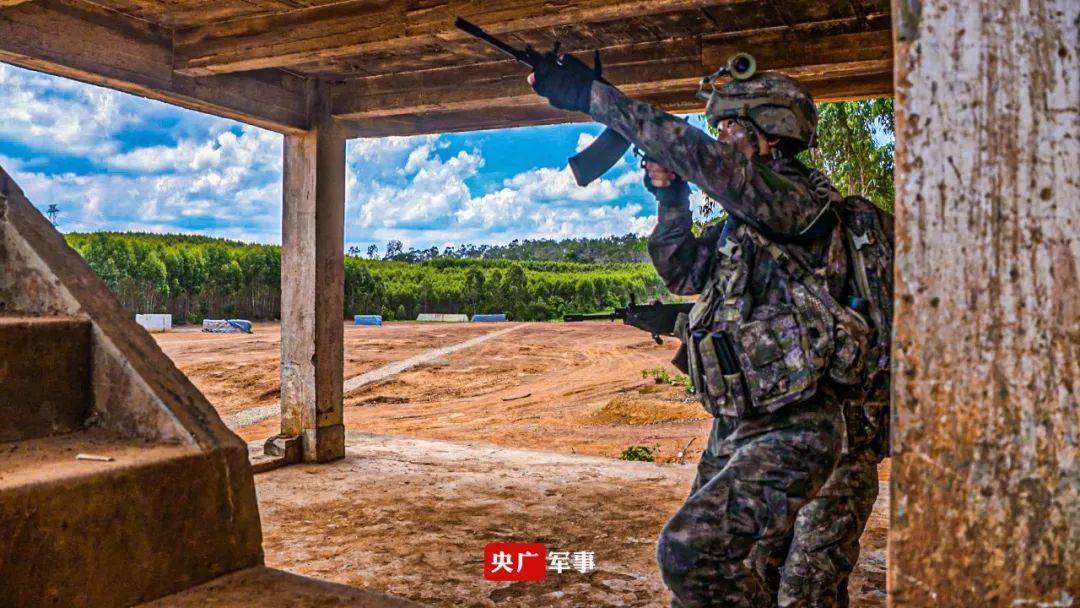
[194,277]
[602,250]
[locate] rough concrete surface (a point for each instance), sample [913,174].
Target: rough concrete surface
[174,507]
[156,520]
[44,375]
[312,275]
[986,474]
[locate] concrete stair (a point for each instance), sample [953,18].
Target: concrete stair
[44,375]
[78,530]
[166,502]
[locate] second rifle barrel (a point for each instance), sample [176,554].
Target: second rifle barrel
[599,316]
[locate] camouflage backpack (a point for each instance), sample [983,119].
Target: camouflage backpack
[861,356]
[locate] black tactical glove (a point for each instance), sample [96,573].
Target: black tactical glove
[564,81]
[675,194]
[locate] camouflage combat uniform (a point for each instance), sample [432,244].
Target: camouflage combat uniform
[810,565]
[772,459]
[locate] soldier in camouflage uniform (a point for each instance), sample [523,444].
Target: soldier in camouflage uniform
[760,342]
[810,566]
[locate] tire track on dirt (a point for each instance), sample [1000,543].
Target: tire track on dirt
[256,415]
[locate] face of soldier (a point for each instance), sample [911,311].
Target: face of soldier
[731,132]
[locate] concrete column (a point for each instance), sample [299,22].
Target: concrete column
[312,291]
[986,466]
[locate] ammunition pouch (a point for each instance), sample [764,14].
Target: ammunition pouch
[754,367]
[749,360]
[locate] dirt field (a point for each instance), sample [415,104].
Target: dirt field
[411,517]
[238,371]
[496,442]
[546,386]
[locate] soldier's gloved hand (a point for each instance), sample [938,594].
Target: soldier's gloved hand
[564,81]
[668,188]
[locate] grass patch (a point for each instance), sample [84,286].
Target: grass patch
[639,453]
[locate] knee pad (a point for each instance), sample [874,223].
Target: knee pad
[672,557]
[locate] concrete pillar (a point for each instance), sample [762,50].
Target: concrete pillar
[986,467]
[313,291]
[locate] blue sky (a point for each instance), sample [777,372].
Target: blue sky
[113,161]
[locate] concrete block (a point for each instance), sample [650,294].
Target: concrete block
[44,376]
[154,322]
[324,443]
[437,317]
[283,446]
[157,519]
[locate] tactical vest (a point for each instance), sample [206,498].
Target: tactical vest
[748,358]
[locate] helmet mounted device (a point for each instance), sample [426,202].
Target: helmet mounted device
[776,105]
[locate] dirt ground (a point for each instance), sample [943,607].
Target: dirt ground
[411,517]
[496,442]
[546,386]
[238,371]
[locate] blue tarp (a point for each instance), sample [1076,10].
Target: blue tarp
[230,326]
[368,319]
[492,318]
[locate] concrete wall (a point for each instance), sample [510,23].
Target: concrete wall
[986,474]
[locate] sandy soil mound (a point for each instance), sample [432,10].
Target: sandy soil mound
[643,409]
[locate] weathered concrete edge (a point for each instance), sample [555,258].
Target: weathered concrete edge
[126,358]
[202,530]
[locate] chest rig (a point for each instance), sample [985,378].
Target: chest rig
[753,350]
[767,328]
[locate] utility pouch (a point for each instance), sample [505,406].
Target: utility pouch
[779,366]
[682,356]
[851,332]
[720,380]
[694,369]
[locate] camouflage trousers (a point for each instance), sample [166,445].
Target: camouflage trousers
[812,568]
[809,567]
[744,504]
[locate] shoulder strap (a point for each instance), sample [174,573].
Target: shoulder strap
[821,226]
[799,273]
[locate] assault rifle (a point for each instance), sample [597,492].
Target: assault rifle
[604,151]
[656,318]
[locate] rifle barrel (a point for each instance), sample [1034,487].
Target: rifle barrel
[597,316]
[476,31]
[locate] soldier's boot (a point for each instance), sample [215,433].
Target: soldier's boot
[770,474]
[825,545]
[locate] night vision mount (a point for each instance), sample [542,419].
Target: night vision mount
[740,66]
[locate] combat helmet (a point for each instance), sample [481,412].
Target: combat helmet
[775,104]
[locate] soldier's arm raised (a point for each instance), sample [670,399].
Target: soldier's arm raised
[681,259]
[747,189]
